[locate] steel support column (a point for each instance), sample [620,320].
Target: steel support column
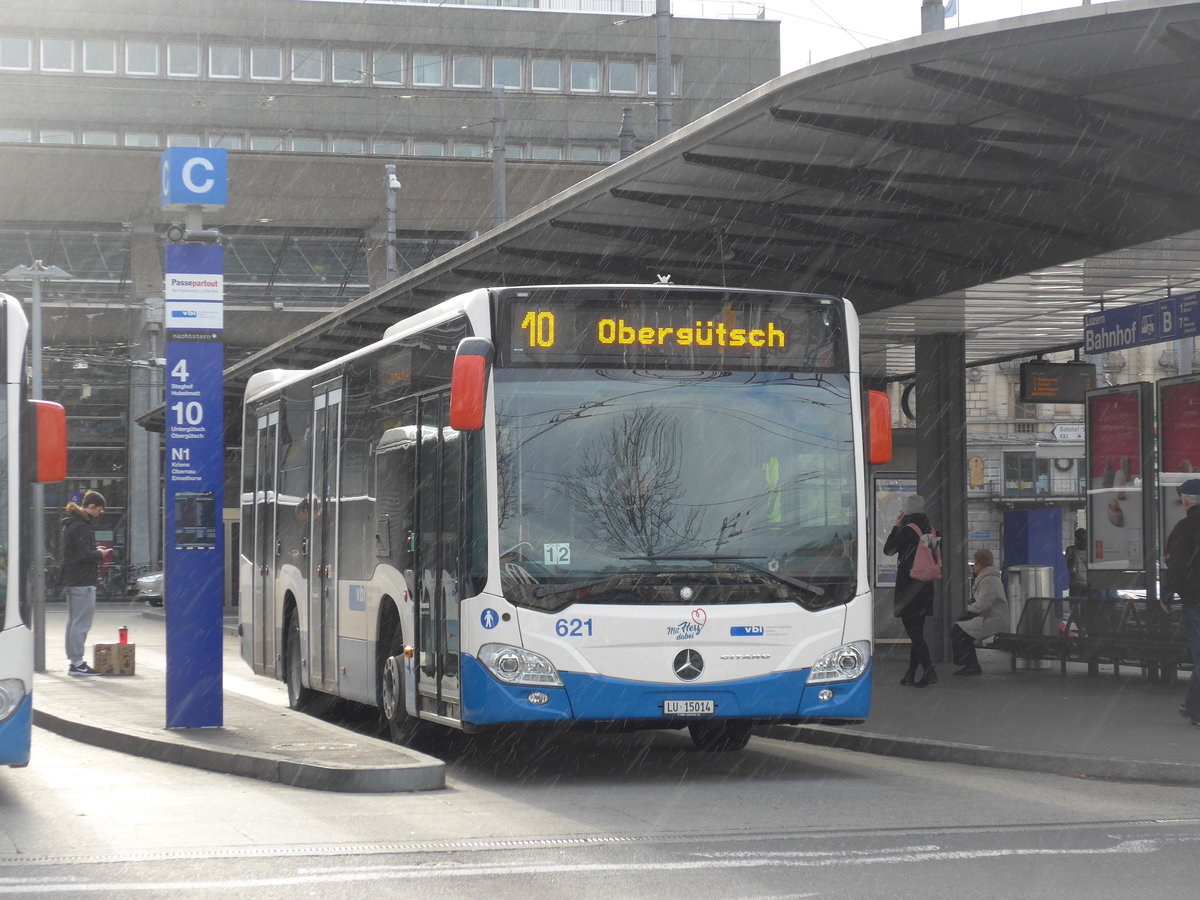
[942,469]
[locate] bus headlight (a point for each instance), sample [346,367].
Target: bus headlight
[515,665]
[12,695]
[844,663]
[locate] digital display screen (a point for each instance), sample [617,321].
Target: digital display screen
[669,327]
[195,520]
[1044,382]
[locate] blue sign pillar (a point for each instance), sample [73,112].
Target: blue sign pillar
[193,543]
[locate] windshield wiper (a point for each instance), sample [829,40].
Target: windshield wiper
[550,590]
[813,589]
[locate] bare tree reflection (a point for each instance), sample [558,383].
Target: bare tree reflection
[628,486]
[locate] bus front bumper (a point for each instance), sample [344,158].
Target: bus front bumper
[784,697]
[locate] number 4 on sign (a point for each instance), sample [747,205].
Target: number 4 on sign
[181,371]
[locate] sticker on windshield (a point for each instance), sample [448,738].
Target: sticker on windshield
[556,554]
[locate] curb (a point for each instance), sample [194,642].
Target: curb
[1078,765]
[429,774]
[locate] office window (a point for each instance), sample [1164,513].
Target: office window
[100,57]
[57,136]
[100,138]
[388,67]
[468,71]
[183,60]
[547,75]
[141,58]
[16,53]
[58,55]
[349,145]
[308,144]
[141,139]
[16,136]
[546,152]
[652,79]
[227,141]
[348,67]
[183,140]
[622,77]
[506,72]
[224,61]
[266,63]
[308,64]
[427,69]
[428,148]
[266,143]
[586,154]
[468,150]
[389,148]
[585,75]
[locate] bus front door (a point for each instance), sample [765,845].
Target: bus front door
[266,549]
[438,550]
[323,537]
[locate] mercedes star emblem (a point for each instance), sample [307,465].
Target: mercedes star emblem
[688,665]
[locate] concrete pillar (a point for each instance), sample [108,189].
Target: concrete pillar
[941,440]
[144,512]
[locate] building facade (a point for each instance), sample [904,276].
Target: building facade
[312,99]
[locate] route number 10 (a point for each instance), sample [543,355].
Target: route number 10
[540,326]
[191,412]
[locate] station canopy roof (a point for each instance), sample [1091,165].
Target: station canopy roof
[1000,180]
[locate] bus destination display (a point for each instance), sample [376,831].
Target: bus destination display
[673,329]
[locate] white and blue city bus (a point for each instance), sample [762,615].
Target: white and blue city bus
[637,505]
[33,448]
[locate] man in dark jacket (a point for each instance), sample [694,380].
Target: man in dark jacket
[1182,577]
[80,569]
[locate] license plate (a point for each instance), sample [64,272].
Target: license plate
[689,707]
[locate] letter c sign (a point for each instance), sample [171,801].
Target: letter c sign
[195,176]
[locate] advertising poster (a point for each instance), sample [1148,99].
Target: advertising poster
[1179,440]
[1115,479]
[889,491]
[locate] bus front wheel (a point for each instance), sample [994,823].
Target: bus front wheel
[299,697]
[401,726]
[717,737]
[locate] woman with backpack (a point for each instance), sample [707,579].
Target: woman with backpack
[913,597]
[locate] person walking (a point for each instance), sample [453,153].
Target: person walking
[986,614]
[80,569]
[913,599]
[1182,577]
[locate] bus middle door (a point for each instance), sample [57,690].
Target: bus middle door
[266,551]
[323,530]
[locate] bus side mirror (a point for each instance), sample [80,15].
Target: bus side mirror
[468,383]
[47,446]
[879,428]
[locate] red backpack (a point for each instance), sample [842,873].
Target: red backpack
[927,563]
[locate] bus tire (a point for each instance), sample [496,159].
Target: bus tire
[299,697]
[720,737]
[400,725]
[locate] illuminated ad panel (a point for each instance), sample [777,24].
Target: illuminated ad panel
[1114,440]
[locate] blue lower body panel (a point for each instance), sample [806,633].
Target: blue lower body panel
[14,736]
[785,697]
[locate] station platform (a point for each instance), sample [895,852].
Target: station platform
[1034,719]
[260,736]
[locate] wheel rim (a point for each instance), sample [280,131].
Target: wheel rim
[391,688]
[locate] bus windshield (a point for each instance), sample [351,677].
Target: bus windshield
[657,486]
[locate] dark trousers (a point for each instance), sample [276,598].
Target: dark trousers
[963,647]
[1191,627]
[918,651]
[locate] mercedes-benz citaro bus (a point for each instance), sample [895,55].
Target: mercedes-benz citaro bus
[33,448]
[633,505]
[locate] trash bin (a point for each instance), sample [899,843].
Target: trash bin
[1026,583]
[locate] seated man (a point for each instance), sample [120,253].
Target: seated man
[986,614]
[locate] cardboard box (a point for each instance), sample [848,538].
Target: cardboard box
[114,659]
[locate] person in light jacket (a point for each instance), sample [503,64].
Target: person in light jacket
[986,614]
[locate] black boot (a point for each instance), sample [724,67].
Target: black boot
[930,677]
[910,677]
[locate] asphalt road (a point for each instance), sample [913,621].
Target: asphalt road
[593,816]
